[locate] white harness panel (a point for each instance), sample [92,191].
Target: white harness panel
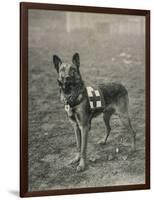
[94,98]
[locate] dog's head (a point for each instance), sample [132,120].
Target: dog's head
[68,73]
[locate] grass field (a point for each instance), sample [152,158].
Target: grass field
[51,137]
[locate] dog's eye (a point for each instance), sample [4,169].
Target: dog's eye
[72,72]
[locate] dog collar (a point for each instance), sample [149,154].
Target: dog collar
[75,97]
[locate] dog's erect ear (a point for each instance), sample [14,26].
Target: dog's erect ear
[76,60]
[57,62]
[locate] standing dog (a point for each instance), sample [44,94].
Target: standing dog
[74,96]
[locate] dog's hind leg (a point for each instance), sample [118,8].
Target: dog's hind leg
[107,116]
[122,111]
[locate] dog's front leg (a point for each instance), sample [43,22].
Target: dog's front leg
[78,140]
[84,138]
[78,143]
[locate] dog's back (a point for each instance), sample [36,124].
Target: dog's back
[112,92]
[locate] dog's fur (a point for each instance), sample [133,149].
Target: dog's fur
[73,94]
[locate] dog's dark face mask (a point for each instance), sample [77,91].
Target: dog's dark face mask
[68,73]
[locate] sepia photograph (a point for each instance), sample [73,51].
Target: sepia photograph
[86,100]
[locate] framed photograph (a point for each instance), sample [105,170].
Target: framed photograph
[84,99]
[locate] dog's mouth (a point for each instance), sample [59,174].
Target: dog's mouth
[66,86]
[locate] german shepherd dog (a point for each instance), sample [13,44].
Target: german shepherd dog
[74,96]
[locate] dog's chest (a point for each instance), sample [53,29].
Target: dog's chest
[96,98]
[68,109]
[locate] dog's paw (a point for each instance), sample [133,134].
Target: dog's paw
[80,168]
[75,159]
[101,142]
[81,165]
